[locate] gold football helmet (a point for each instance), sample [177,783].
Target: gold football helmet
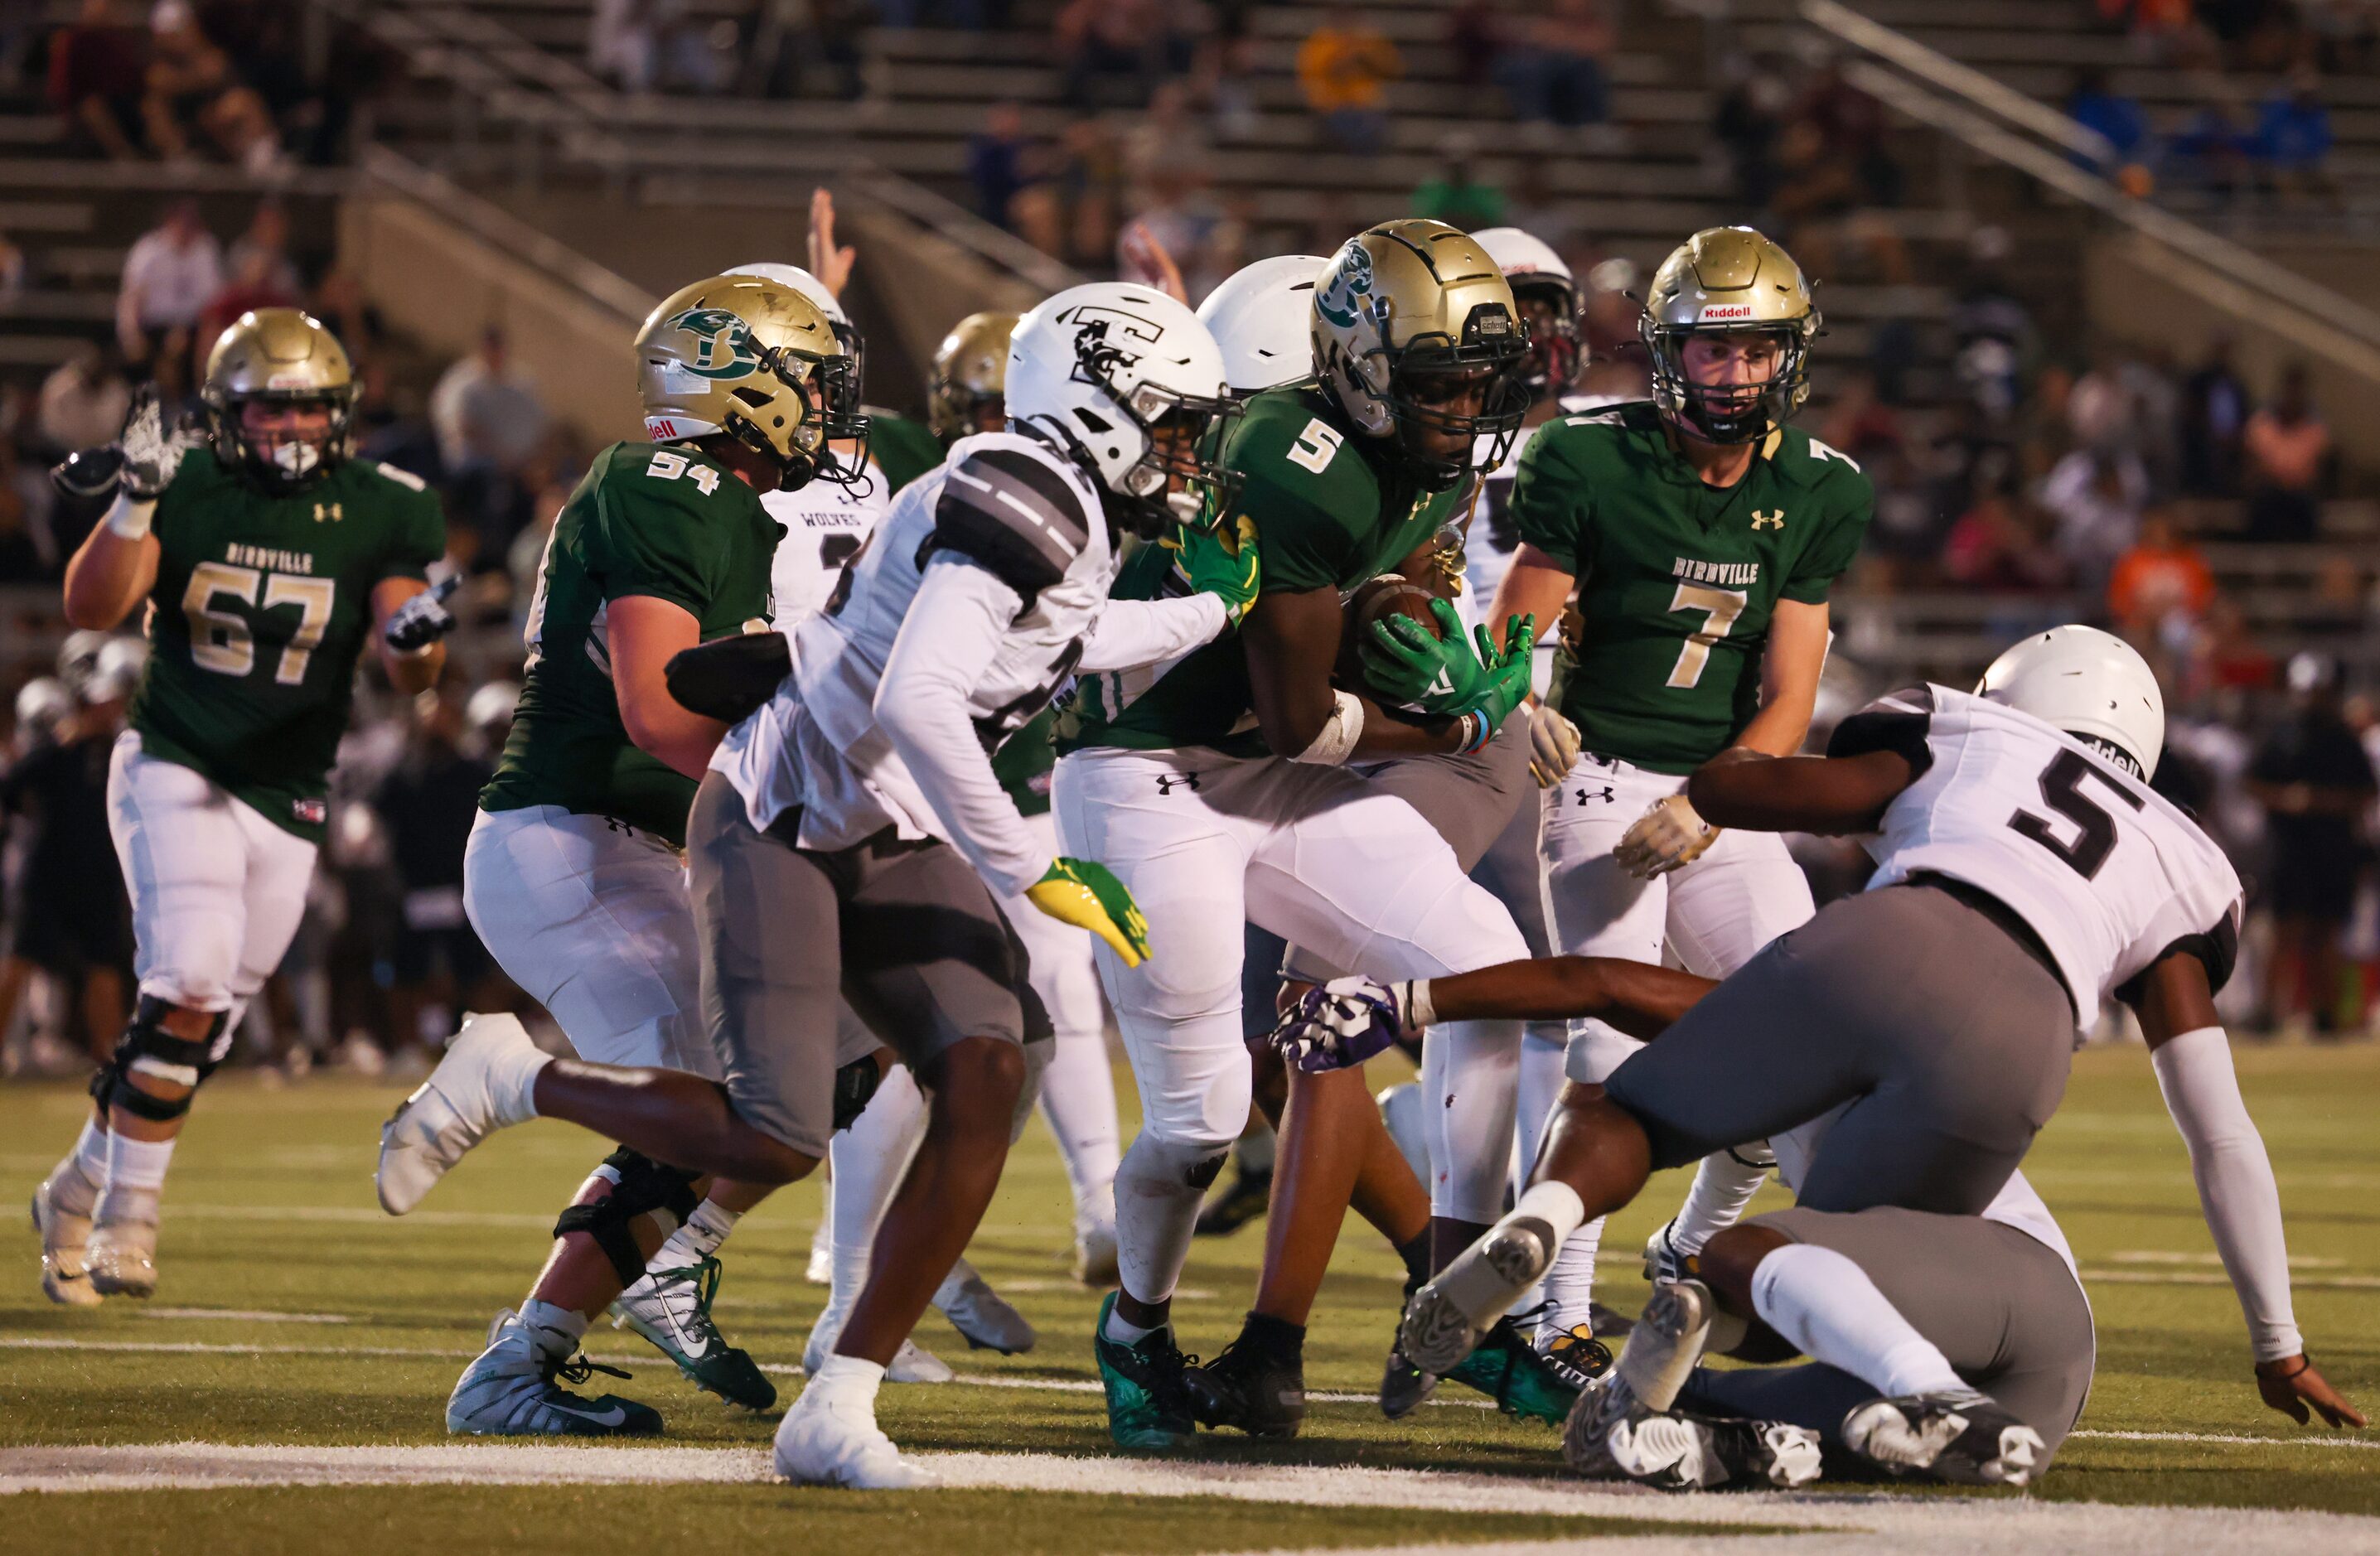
[970,377]
[1729,281]
[758,361]
[278,356]
[1410,317]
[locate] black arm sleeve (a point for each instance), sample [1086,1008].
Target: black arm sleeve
[1898,723]
[729,679]
[1016,515]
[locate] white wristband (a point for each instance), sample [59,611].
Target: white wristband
[1419,1010]
[131,516]
[1340,732]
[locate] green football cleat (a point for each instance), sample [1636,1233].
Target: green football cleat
[671,1308]
[1507,1368]
[1148,1410]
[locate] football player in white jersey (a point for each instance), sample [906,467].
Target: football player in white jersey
[845,839]
[2025,869]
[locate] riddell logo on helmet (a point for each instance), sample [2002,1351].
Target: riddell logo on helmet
[1727,310]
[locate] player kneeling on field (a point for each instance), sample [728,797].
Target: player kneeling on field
[1919,1267]
[848,835]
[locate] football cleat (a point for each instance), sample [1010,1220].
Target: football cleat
[509,1391]
[1148,1408]
[1257,1389]
[1405,1388]
[1095,1258]
[1245,1201]
[983,1318]
[122,1257]
[66,1277]
[448,1113]
[911,1364]
[1604,1323]
[1662,1259]
[1613,1436]
[1508,1369]
[1576,1357]
[834,1441]
[671,1308]
[1962,1436]
[1453,1313]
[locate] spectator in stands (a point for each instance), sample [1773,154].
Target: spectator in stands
[2001,544]
[485,412]
[1167,146]
[172,272]
[647,46]
[2289,454]
[1536,209]
[1105,44]
[254,282]
[2315,783]
[2115,116]
[996,160]
[191,89]
[2161,587]
[2095,496]
[2214,420]
[264,249]
[97,72]
[1749,121]
[2212,150]
[1555,70]
[1225,69]
[1344,68]
[2292,140]
[1455,194]
[1476,38]
[83,404]
[1998,343]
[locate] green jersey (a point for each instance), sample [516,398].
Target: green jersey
[260,607]
[1332,508]
[1678,580]
[667,522]
[901,448]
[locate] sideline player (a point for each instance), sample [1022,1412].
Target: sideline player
[1703,535]
[573,875]
[271,557]
[1215,785]
[843,839]
[2024,868]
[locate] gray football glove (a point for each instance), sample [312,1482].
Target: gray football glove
[423,619]
[153,450]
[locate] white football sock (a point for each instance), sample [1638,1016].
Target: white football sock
[1540,1082]
[1827,1305]
[76,1181]
[1723,1186]
[869,1159]
[698,1239]
[1157,1206]
[136,1177]
[1122,1330]
[1470,1084]
[1079,1105]
[553,1329]
[841,1380]
[1570,1285]
[512,1083]
[1253,1153]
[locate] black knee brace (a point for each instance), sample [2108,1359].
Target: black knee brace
[639,1184]
[147,1048]
[854,1084]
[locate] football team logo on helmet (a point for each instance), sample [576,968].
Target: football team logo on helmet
[1344,289]
[722,344]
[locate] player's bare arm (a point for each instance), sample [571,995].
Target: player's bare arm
[1830,796]
[1789,679]
[108,575]
[413,671]
[645,633]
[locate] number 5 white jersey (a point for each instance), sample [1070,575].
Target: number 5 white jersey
[2112,875]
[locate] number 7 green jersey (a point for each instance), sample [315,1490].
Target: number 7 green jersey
[261,606]
[1677,580]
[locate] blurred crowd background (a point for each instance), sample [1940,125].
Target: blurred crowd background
[2047,478]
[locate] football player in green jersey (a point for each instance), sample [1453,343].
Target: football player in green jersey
[1702,534]
[572,876]
[269,558]
[1217,785]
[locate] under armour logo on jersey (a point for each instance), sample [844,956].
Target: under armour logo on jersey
[1603,794]
[327,511]
[1774,519]
[1167,781]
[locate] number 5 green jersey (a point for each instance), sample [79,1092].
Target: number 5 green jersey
[1678,580]
[663,521]
[261,605]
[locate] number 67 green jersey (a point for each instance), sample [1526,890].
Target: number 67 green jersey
[1677,580]
[261,605]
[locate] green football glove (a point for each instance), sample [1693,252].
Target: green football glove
[1224,566]
[1442,674]
[1506,670]
[1089,896]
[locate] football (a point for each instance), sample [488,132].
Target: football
[1390,595]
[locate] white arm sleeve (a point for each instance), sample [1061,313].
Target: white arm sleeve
[952,631]
[2236,1190]
[1131,633]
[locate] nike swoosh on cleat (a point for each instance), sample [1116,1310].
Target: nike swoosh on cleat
[611,1417]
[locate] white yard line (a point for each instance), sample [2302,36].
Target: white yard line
[1865,1524]
[244,1315]
[2214,1278]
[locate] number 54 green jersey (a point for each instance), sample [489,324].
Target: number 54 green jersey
[261,606]
[1677,580]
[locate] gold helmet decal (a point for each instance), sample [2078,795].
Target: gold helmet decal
[286,361]
[1729,281]
[754,360]
[970,376]
[1401,312]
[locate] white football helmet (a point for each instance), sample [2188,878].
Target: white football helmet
[79,656]
[1262,316]
[1540,276]
[118,671]
[1101,371]
[1518,253]
[801,281]
[43,704]
[2090,683]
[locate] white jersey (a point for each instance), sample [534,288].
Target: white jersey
[825,525]
[969,607]
[2112,875]
[1490,539]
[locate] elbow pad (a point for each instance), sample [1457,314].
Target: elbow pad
[1340,732]
[730,678]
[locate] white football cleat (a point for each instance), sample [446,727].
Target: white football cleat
[982,1316]
[1961,1435]
[66,1277]
[1453,1313]
[510,1390]
[1095,1258]
[122,1258]
[448,1113]
[911,1364]
[829,1440]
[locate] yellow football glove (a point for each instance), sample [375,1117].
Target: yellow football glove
[1089,896]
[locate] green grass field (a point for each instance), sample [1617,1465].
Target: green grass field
[293,1314]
